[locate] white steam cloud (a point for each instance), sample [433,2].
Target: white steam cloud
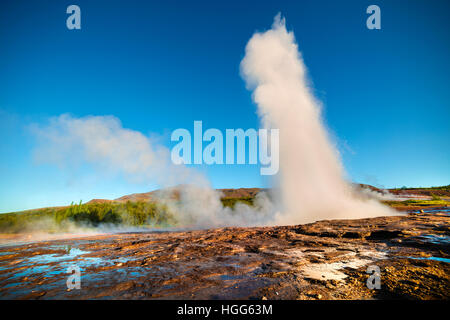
[381,195]
[103,142]
[311,179]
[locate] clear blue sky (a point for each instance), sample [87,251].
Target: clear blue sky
[160,65]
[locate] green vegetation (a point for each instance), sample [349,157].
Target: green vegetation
[19,221]
[231,202]
[418,203]
[441,188]
[87,215]
[435,197]
[60,219]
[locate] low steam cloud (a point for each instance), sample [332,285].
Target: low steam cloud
[104,143]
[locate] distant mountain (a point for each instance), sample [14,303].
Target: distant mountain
[174,192]
[251,192]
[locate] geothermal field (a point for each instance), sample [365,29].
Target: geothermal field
[310,231]
[327,259]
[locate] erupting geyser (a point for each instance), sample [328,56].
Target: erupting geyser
[311,181]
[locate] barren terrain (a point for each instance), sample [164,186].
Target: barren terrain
[322,260]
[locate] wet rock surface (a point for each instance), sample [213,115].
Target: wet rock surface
[322,260]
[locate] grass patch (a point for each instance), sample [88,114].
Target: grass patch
[130,213]
[441,188]
[419,203]
[87,215]
[231,202]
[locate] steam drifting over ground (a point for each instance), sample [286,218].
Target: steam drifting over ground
[104,143]
[310,185]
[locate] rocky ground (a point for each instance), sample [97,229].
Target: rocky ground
[322,260]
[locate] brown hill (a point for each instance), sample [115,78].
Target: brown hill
[226,193]
[174,193]
[146,196]
[434,191]
[251,192]
[100,201]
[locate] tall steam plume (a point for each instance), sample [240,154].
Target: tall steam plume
[311,180]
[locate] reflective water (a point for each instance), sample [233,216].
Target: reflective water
[445,210]
[430,258]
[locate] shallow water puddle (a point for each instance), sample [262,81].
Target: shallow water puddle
[43,271]
[435,239]
[437,210]
[430,258]
[55,257]
[49,264]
